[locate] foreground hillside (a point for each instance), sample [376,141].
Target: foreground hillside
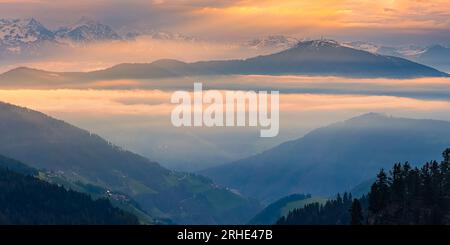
[77,155]
[27,200]
[405,195]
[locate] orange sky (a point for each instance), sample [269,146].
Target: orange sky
[290,15]
[236,18]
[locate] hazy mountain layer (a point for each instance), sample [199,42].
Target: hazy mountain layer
[335,158]
[78,155]
[317,58]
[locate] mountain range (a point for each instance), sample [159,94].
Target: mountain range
[86,30]
[25,37]
[436,56]
[28,38]
[335,158]
[18,32]
[317,58]
[77,155]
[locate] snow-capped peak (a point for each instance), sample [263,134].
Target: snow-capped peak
[19,31]
[86,30]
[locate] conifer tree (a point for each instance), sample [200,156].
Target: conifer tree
[379,193]
[356,213]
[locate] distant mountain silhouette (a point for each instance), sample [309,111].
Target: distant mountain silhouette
[316,58]
[335,158]
[319,57]
[78,155]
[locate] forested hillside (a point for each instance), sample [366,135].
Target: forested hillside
[333,212]
[27,200]
[404,195]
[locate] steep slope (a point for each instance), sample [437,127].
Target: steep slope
[335,158]
[25,200]
[47,143]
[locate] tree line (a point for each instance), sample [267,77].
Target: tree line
[403,195]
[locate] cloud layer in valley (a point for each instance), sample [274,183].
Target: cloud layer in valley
[139,120]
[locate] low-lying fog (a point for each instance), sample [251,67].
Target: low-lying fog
[136,114]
